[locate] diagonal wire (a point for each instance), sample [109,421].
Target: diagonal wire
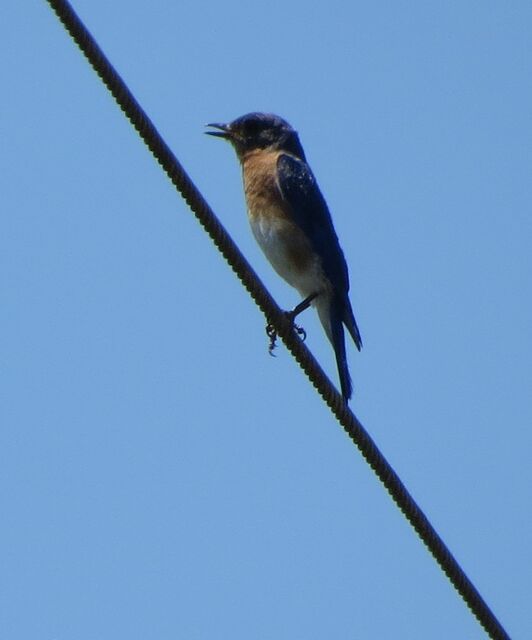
[277,318]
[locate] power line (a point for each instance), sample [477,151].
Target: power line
[276,317]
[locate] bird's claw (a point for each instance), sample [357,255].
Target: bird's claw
[300,332]
[272,335]
[271,332]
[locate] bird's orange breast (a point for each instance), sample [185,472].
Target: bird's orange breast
[263,196]
[283,242]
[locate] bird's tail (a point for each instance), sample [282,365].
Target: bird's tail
[332,318]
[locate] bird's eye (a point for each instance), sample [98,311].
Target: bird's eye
[253,128]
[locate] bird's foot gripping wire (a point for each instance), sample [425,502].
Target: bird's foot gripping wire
[271,332]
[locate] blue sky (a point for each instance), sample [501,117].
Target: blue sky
[161,475]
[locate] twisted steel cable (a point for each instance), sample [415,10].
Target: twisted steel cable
[276,317]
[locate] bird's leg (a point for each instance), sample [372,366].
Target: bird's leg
[304,304]
[292,315]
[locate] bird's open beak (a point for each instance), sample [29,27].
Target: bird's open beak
[222,131]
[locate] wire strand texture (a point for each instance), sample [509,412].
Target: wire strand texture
[275,316]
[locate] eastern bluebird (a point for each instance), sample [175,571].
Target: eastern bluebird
[292,224]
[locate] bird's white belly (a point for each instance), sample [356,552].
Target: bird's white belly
[289,253]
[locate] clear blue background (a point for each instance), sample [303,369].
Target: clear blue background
[161,476]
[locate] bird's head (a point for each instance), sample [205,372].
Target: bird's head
[256,131]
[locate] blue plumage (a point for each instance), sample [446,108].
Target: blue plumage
[311,214]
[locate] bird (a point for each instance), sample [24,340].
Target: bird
[291,222]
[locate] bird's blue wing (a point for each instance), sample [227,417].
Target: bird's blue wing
[309,211]
[311,214]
